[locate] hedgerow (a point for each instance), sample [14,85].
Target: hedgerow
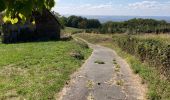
[152,51]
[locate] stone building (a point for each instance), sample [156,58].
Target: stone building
[46,27]
[1,22]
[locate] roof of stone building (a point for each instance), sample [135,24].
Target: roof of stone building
[1,18]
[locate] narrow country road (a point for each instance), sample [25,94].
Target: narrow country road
[112,80]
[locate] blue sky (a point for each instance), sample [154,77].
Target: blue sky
[114,7]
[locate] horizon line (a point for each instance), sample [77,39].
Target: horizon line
[119,15]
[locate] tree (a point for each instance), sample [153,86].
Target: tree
[63,20]
[82,24]
[136,26]
[24,8]
[94,23]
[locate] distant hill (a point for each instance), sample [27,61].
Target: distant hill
[103,19]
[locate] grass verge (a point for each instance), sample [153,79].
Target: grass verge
[37,71]
[158,88]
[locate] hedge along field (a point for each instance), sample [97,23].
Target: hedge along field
[38,70]
[154,51]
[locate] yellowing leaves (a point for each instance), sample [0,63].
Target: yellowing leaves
[9,19]
[22,17]
[14,20]
[26,7]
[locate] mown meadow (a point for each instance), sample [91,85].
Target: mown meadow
[38,70]
[148,56]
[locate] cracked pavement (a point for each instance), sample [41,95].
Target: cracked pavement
[103,81]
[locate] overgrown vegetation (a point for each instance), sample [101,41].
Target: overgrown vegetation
[136,26]
[133,26]
[37,71]
[153,51]
[159,87]
[79,22]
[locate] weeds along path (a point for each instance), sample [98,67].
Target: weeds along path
[104,76]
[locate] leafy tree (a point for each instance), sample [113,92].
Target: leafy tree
[83,24]
[93,23]
[24,8]
[63,20]
[80,22]
[136,26]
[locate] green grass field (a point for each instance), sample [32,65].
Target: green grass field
[37,70]
[71,30]
[158,88]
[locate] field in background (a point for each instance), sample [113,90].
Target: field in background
[38,70]
[159,87]
[164,38]
[71,30]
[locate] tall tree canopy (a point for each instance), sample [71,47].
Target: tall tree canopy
[80,22]
[24,8]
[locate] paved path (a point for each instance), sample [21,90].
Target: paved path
[113,80]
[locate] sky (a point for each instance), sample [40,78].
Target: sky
[113,7]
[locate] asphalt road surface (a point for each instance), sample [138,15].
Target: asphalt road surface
[104,76]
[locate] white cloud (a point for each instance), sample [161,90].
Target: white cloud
[85,9]
[143,8]
[149,5]
[143,5]
[90,6]
[150,8]
[102,6]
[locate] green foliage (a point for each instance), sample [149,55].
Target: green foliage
[136,26]
[24,7]
[133,26]
[37,71]
[2,5]
[158,89]
[63,21]
[151,51]
[93,23]
[49,3]
[80,22]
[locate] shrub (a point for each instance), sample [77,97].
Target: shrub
[77,55]
[152,51]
